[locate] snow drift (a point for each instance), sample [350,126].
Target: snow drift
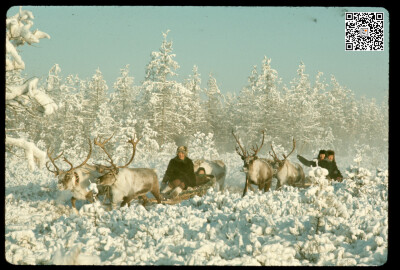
[327,224]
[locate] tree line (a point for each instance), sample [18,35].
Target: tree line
[165,112]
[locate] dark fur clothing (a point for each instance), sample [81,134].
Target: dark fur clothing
[332,168]
[182,170]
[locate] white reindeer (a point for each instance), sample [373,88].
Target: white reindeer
[77,179]
[287,173]
[126,183]
[258,170]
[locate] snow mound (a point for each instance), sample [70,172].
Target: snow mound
[326,224]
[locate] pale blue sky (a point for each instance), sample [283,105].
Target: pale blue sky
[226,41]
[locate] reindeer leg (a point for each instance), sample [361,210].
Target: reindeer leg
[245,187]
[261,185]
[144,197]
[278,184]
[156,194]
[124,201]
[73,200]
[267,185]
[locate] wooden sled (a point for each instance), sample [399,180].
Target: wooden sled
[186,194]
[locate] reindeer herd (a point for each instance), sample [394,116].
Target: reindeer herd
[121,184]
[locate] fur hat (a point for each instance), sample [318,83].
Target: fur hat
[321,152]
[182,149]
[201,169]
[330,152]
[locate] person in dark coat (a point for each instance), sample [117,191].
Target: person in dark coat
[179,174]
[309,163]
[330,164]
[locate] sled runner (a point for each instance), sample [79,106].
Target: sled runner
[186,194]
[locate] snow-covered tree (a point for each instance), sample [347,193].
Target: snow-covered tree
[301,117]
[159,93]
[269,102]
[122,99]
[24,99]
[96,95]
[148,145]
[202,146]
[213,105]
[196,112]
[259,104]
[71,111]
[162,64]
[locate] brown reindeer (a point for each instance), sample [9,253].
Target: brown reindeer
[286,172]
[258,170]
[126,183]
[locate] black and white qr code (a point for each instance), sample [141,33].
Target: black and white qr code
[364,31]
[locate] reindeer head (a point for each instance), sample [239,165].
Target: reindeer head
[248,159]
[67,180]
[112,171]
[278,163]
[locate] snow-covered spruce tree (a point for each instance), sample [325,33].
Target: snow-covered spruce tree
[213,107]
[246,108]
[24,99]
[159,92]
[372,123]
[259,104]
[49,128]
[122,100]
[301,117]
[203,146]
[148,146]
[196,112]
[229,120]
[71,111]
[270,102]
[323,139]
[95,96]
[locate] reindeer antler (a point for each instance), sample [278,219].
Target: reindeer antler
[84,162]
[255,151]
[294,146]
[284,156]
[57,171]
[97,141]
[275,157]
[244,153]
[134,143]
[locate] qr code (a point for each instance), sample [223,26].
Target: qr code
[364,31]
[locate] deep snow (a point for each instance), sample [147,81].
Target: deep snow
[327,224]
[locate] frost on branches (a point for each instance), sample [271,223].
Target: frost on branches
[21,95]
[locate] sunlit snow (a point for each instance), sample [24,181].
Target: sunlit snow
[326,224]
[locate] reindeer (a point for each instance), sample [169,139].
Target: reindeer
[126,183]
[76,179]
[258,170]
[286,172]
[216,168]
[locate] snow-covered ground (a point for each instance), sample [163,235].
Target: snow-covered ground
[327,224]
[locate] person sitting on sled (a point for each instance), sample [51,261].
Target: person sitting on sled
[179,174]
[329,163]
